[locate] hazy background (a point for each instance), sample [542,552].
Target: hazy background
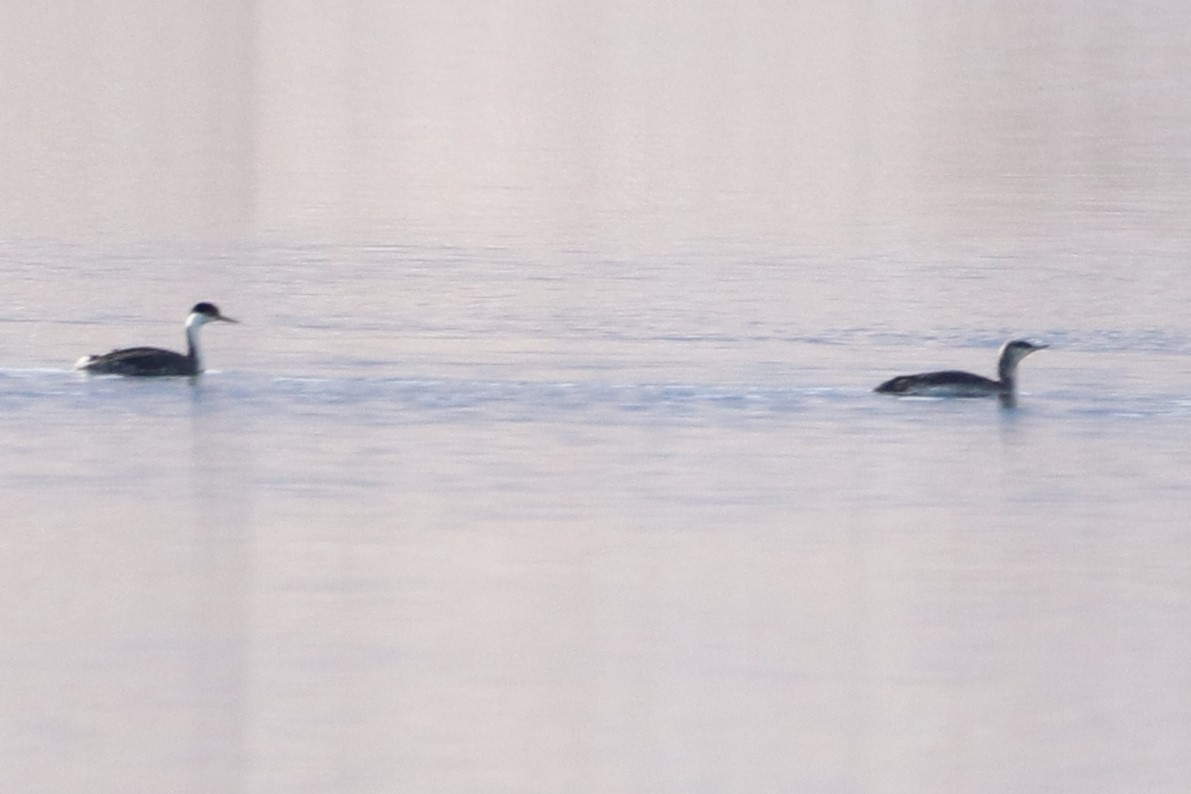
[545,458]
[863,125]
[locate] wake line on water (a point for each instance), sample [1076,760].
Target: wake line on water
[389,397]
[560,396]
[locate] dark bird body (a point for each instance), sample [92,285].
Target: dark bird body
[956,383]
[154,361]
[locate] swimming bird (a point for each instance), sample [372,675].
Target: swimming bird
[955,383]
[153,361]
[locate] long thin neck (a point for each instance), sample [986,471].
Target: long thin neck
[192,345]
[1007,371]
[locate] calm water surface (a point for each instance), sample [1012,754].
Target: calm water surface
[545,457]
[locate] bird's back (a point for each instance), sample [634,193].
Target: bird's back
[948,383]
[139,361]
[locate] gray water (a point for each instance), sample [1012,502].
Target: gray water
[545,457]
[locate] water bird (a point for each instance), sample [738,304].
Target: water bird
[956,383]
[153,361]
